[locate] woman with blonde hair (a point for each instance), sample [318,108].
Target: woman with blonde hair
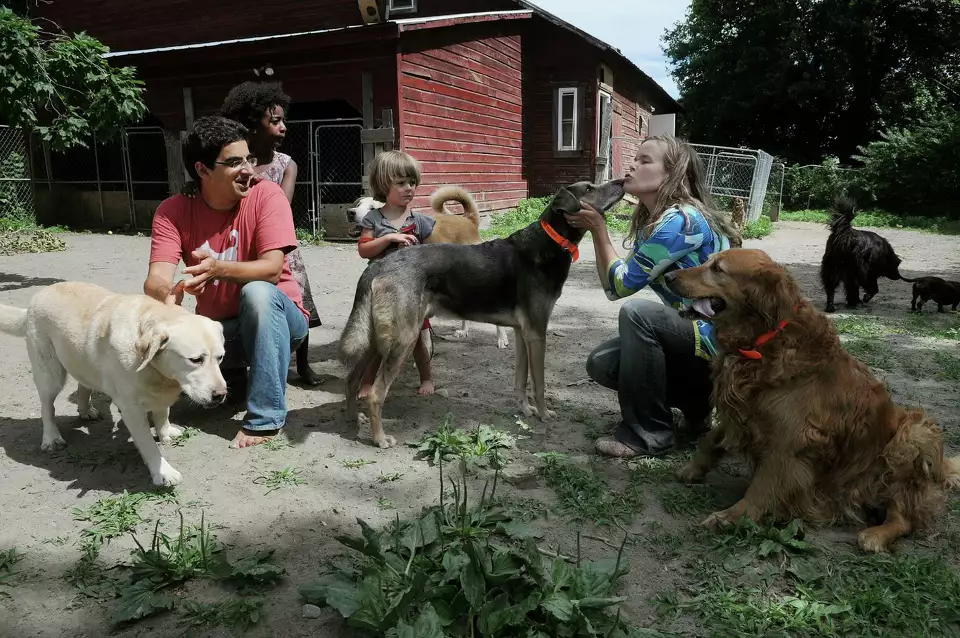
[659,359]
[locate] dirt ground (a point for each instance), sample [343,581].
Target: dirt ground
[37,490]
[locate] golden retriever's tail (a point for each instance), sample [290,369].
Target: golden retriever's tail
[13,321]
[446,194]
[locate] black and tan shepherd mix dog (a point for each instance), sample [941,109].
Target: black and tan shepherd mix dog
[824,439]
[511,282]
[856,257]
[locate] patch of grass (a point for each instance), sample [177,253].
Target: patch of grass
[356,464]
[112,516]
[948,366]
[279,479]
[59,541]
[385,504]
[276,444]
[235,613]
[188,433]
[8,558]
[389,478]
[460,571]
[314,239]
[479,447]
[765,580]
[757,229]
[688,500]
[880,219]
[122,459]
[584,496]
[157,572]
[863,327]
[872,352]
[529,210]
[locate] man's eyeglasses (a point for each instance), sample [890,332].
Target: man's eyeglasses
[237,162]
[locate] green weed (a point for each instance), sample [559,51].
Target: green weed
[279,479]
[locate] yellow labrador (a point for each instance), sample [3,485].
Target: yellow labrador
[135,349]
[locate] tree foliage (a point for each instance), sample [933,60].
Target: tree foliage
[805,79]
[61,85]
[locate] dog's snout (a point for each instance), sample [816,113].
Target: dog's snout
[670,277]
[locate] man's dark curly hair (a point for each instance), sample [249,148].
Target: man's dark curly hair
[247,102]
[207,138]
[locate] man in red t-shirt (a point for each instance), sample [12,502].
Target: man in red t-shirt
[234,238]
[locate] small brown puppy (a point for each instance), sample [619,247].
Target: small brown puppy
[823,436]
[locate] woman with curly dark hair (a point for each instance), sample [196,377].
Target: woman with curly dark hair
[261,107]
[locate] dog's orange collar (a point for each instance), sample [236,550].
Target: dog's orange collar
[754,353]
[563,242]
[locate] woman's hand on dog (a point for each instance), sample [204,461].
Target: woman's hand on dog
[589,218]
[403,239]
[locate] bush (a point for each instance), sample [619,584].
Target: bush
[757,229]
[806,187]
[915,170]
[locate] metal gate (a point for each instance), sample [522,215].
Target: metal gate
[16,191]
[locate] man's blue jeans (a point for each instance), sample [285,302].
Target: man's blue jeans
[268,329]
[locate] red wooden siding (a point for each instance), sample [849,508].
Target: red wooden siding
[124,25]
[462,112]
[555,58]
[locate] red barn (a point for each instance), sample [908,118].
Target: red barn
[496,95]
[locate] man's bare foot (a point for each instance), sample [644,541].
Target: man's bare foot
[249,438]
[427,388]
[364,391]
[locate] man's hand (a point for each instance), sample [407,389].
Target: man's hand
[175,298]
[207,270]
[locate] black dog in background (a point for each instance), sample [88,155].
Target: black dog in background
[857,257]
[943,293]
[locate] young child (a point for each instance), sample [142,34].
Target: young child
[394,177]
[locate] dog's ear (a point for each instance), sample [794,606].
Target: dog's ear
[778,297]
[565,202]
[152,340]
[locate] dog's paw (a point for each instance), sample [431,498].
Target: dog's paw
[691,473]
[528,410]
[871,540]
[386,442]
[830,308]
[715,521]
[166,476]
[459,334]
[91,414]
[53,445]
[169,433]
[547,415]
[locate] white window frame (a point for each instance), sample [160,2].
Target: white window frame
[561,93]
[600,95]
[408,7]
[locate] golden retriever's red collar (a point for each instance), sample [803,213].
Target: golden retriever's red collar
[754,353]
[561,241]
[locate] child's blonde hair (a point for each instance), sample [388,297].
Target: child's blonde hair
[390,166]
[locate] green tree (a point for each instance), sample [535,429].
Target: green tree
[61,85]
[804,79]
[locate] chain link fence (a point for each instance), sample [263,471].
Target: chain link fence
[329,157]
[16,191]
[114,183]
[737,174]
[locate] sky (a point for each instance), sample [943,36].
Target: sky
[633,26]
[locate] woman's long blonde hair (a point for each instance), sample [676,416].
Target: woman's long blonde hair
[684,184]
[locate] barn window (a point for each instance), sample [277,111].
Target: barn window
[568,120]
[402,6]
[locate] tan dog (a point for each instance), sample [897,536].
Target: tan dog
[738,216]
[825,440]
[138,351]
[449,229]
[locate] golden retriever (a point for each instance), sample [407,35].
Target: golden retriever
[140,352]
[824,438]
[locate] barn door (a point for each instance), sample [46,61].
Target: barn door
[605,138]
